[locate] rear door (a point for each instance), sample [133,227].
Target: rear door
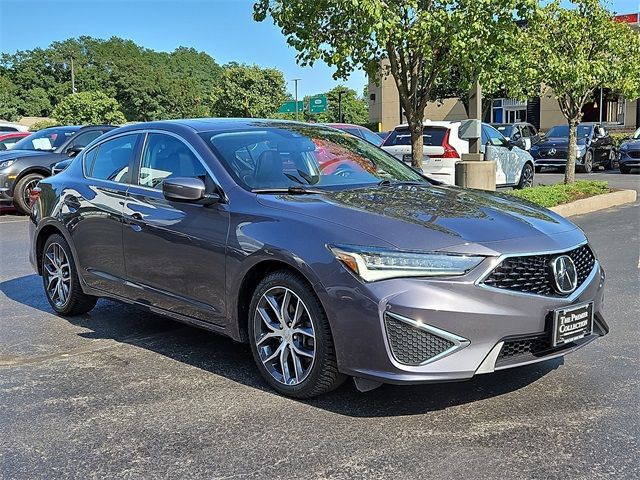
[497,149]
[96,206]
[174,252]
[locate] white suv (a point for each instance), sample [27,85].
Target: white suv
[443,148]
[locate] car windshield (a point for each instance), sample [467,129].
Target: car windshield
[636,136]
[46,140]
[563,131]
[294,155]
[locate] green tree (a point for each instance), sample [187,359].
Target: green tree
[420,41]
[9,102]
[574,52]
[35,103]
[249,91]
[88,108]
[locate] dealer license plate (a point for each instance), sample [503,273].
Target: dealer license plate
[572,323]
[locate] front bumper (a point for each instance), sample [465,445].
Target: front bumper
[555,162]
[478,321]
[625,158]
[7,181]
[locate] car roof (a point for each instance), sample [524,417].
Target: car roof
[342,125]
[433,123]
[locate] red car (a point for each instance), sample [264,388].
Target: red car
[7,140]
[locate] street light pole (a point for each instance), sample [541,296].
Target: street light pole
[73,77]
[340,93]
[295,81]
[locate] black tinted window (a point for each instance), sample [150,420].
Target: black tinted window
[110,160]
[165,156]
[85,138]
[431,136]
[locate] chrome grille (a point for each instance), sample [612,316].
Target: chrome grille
[411,345]
[532,274]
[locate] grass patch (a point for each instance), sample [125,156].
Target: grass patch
[552,195]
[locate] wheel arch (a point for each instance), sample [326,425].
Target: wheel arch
[34,169]
[45,232]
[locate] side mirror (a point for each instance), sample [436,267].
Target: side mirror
[60,166]
[188,189]
[75,150]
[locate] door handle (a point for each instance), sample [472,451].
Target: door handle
[72,203]
[137,216]
[135,221]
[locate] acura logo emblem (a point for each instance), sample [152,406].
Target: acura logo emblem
[565,275]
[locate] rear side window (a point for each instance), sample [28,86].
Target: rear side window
[431,137]
[371,137]
[85,138]
[110,160]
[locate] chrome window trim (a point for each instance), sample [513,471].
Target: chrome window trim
[495,261]
[458,342]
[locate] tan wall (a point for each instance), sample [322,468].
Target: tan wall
[450,109]
[550,113]
[630,118]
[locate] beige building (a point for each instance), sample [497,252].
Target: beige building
[543,112]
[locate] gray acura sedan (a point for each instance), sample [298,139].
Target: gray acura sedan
[327,255]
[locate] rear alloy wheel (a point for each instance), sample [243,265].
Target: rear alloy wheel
[290,337]
[60,278]
[22,192]
[587,166]
[526,177]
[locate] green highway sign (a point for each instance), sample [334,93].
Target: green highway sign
[290,107]
[318,104]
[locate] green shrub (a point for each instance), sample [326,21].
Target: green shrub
[86,108]
[618,138]
[552,195]
[43,124]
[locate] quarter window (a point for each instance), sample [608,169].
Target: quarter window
[110,160]
[165,156]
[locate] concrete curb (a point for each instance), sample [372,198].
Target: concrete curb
[593,204]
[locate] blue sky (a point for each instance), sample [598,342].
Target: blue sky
[223,28]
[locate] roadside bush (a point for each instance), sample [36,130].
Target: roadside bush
[618,138]
[87,108]
[43,124]
[552,195]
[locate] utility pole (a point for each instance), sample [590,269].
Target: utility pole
[340,93]
[295,81]
[73,77]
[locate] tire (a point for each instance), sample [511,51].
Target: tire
[526,177]
[303,377]
[587,166]
[611,160]
[624,169]
[22,189]
[55,255]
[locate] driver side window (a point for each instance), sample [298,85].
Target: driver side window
[165,156]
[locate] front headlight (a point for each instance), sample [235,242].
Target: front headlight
[7,163]
[371,263]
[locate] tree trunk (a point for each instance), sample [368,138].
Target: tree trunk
[417,146]
[570,170]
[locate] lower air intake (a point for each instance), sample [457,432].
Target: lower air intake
[411,345]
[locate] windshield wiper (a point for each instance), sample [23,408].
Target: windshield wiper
[290,190]
[389,183]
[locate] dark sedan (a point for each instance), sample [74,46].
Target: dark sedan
[249,228]
[30,159]
[595,147]
[629,156]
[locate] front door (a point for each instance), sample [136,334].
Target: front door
[174,252]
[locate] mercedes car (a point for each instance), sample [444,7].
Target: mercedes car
[328,256]
[595,148]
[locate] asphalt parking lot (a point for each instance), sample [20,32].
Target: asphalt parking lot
[121,393]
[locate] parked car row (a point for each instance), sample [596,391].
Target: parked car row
[443,148]
[31,159]
[629,156]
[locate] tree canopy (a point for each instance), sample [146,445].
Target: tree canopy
[87,108]
[147,85]
[425,46]
[575,51]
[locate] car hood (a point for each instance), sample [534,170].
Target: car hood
[15,154]
[432,217]
[631,144]
[561,142]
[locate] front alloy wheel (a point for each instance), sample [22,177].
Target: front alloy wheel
[526,177]
[290,337]
[587,165]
